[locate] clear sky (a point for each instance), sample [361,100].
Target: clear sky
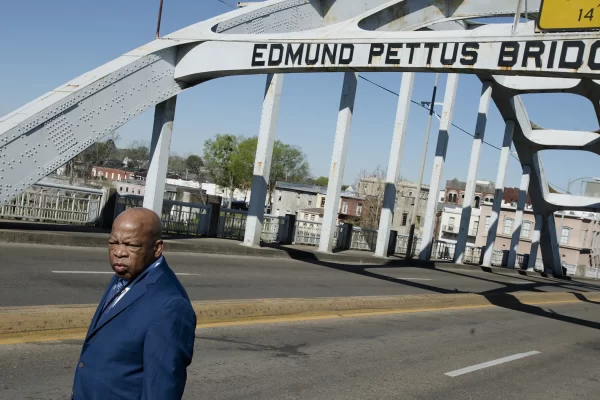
[46,43]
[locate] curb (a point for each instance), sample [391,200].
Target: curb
[21,322]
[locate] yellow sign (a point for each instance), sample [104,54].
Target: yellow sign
[569,15]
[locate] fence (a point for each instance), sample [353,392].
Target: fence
[307,232]
[443,250]
[274,229]
[56,203]
[177,217]
[472,255]
[363,239]
[232,224]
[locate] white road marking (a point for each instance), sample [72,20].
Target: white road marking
[488,364]
[109,272]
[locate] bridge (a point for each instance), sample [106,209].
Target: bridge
[531,54]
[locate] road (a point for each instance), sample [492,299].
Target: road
[402,356]
[42,275]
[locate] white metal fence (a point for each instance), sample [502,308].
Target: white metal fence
[57,203]
[363,239]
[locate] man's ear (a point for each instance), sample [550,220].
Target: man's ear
[158,248]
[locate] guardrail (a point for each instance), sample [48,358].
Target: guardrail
[177,217]
[472,255]
[363,239]
[307,232]
[56,203]
[274,229]
[443,250]
[232,224]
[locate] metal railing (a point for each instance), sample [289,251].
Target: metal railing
[472,255]
[273,229]
[307,232]
[402,245]
[177,217]
[56,204]
[363,239]
[443,250]
[499,258]
[232,224]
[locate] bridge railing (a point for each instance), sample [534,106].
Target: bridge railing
[363,239]
[177,217]
[56,203]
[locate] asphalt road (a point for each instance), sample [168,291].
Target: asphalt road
[403,356]
[42,275]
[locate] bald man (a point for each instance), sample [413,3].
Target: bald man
[141,339]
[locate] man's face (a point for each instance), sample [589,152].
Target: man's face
[131,248]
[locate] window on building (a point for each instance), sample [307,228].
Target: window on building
[584,235]
[451,222]
[359,210]
[323,202]
[475,228]
[118,177]
[409,194]
[526,229]
[279,198]
[139,192]
[488,221]
[404,218]
[310,202]
[112,175]
[121,189]
[312,217]
[507,226]
[564,235]
[127,189]
[305,216]
[344,207]
[418,220]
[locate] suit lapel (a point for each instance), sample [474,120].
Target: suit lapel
[138,287]
[97,314]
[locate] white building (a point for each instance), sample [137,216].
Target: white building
[449,225]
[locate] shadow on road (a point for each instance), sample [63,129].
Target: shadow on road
[500,297]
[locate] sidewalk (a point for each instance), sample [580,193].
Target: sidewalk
[86,236]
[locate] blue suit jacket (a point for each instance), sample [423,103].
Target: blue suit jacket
[142,347]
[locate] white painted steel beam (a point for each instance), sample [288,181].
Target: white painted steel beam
[262,161]
[393,171]
[498,194]
[518,222]
[438,166]
[160,148]
[338,161]
[467,207]
[535,242]
[549,246]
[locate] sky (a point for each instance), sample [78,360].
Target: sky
[47,43]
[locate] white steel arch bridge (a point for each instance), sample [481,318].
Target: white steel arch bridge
[294,36]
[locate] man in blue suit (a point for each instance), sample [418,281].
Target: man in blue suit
[141,339]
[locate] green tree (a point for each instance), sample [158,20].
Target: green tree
[322,181]
[177,165]
[137,155]
[194,164]
[222,162]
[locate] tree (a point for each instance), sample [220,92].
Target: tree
[372,187]
[321,181]
[137,155]
[220,155]
[194,164]
[177,165]
[97,154]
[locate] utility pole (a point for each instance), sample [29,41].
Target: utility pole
[411,234]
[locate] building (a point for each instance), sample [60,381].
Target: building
[373,189]
[293,198]
[455,192]
[111,173]
[449,224]
[577,232]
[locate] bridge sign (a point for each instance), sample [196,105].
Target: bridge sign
[569,15]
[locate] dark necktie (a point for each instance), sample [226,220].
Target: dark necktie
[110,299]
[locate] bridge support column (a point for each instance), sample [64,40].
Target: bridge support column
[467,207]
[549,246]
[518,223]
[498,194]
[535,243]
[164,115]
[262,162]
[438,166]
[338,161]
[393,171]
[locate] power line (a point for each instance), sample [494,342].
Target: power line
[426,108]
[227,4]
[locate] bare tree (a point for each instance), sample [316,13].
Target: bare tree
[371,185]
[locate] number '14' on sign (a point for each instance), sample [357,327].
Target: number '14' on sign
[588,15]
